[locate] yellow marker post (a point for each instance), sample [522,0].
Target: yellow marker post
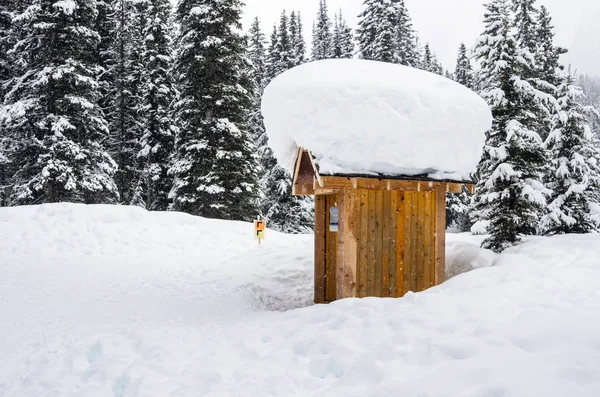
[259,229]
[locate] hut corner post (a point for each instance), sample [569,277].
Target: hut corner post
[347,243]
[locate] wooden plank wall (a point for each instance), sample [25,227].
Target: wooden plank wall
[320,249]
[397,244]
[389,242]
[331,250]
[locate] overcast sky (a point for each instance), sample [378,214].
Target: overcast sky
[447,23]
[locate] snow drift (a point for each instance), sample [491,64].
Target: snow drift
[116,301]
[365,117]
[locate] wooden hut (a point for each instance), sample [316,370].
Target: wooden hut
[378,236]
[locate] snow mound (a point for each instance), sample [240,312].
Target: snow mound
[366,117]
[116,301]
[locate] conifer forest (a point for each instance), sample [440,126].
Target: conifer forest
[153,104]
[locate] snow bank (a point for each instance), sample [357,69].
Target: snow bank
[365,117]
[115,301]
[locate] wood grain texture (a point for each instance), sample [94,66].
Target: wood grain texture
[348,243]
[378,237]
[331,243]
[440,236]
[371,245]
[363,244]
[320,249]
[386,243]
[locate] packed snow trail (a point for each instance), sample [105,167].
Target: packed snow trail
[115,301]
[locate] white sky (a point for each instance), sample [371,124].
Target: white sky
[447,23]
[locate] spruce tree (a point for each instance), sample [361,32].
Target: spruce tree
[342,41]
[547,55]
[367,30]
[510,193]
[457,205]
[430,62]
[406,38]
[5,47]
[285,43]
[281,210]
[463,73]
[321,43]
[575,176]
[385,33]
[53,109]
[123,102]
[273,62]
[526,27]
[158,92]
[5,75]
[298,41]
[214,168]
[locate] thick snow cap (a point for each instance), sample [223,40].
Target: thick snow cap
[366,117]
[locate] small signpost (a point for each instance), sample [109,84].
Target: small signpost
[259,229]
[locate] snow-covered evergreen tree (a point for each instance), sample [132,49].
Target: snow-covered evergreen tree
[547,55]
[406,38]
[6,15]
[214,168]
[273,61]
[52,108]
[430,62]
[278,207]
[575,176]
[298,44]
[463,73]
[342,41]
[385,33]
[510,194]
[158,92]
[322,36]
[525,15]
[257,53]
[285,43]
[106,26]
[123,102]
[591,89]
[5,45]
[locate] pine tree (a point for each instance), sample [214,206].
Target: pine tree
[281,210]
[53,108]
[321,44]
[547,54]
[526,27]
[106,57]
[342,41]
[463,73]
[430,62]
[575,175]
[214,169]
[158,92]
[510,193]
[591,89]
[385,33]
[6,15]
[285,44]
[297,42]
[124,100]
[273,62]
[257,54]
[406,38]
[5,46]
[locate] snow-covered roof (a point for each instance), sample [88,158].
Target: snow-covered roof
[365,118]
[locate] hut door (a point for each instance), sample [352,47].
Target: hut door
[331,244]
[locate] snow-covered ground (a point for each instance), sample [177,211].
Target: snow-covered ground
[115,301]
